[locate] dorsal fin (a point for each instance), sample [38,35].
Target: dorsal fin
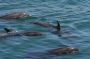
[7,30]
[58,27]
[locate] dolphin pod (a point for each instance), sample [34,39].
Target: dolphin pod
[15,15]
[57,27]
[52,52]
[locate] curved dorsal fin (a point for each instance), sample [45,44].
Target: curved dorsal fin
[7,30]
[58,27]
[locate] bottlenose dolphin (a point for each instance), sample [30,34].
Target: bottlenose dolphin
[9,33]
[47,25]
[51,52]
[61,51]
[15,15]
[19,33]
[57,27]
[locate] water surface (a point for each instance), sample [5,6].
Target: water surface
[74,16]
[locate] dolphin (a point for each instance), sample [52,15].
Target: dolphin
[9,33]
[20,33]
[51,52]
[57,27]
[15,15]
[47,25]
[63,51]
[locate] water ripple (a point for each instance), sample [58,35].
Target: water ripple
[73,16]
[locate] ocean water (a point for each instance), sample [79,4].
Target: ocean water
[73,15]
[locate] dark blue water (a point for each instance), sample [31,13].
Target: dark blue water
[74,16]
